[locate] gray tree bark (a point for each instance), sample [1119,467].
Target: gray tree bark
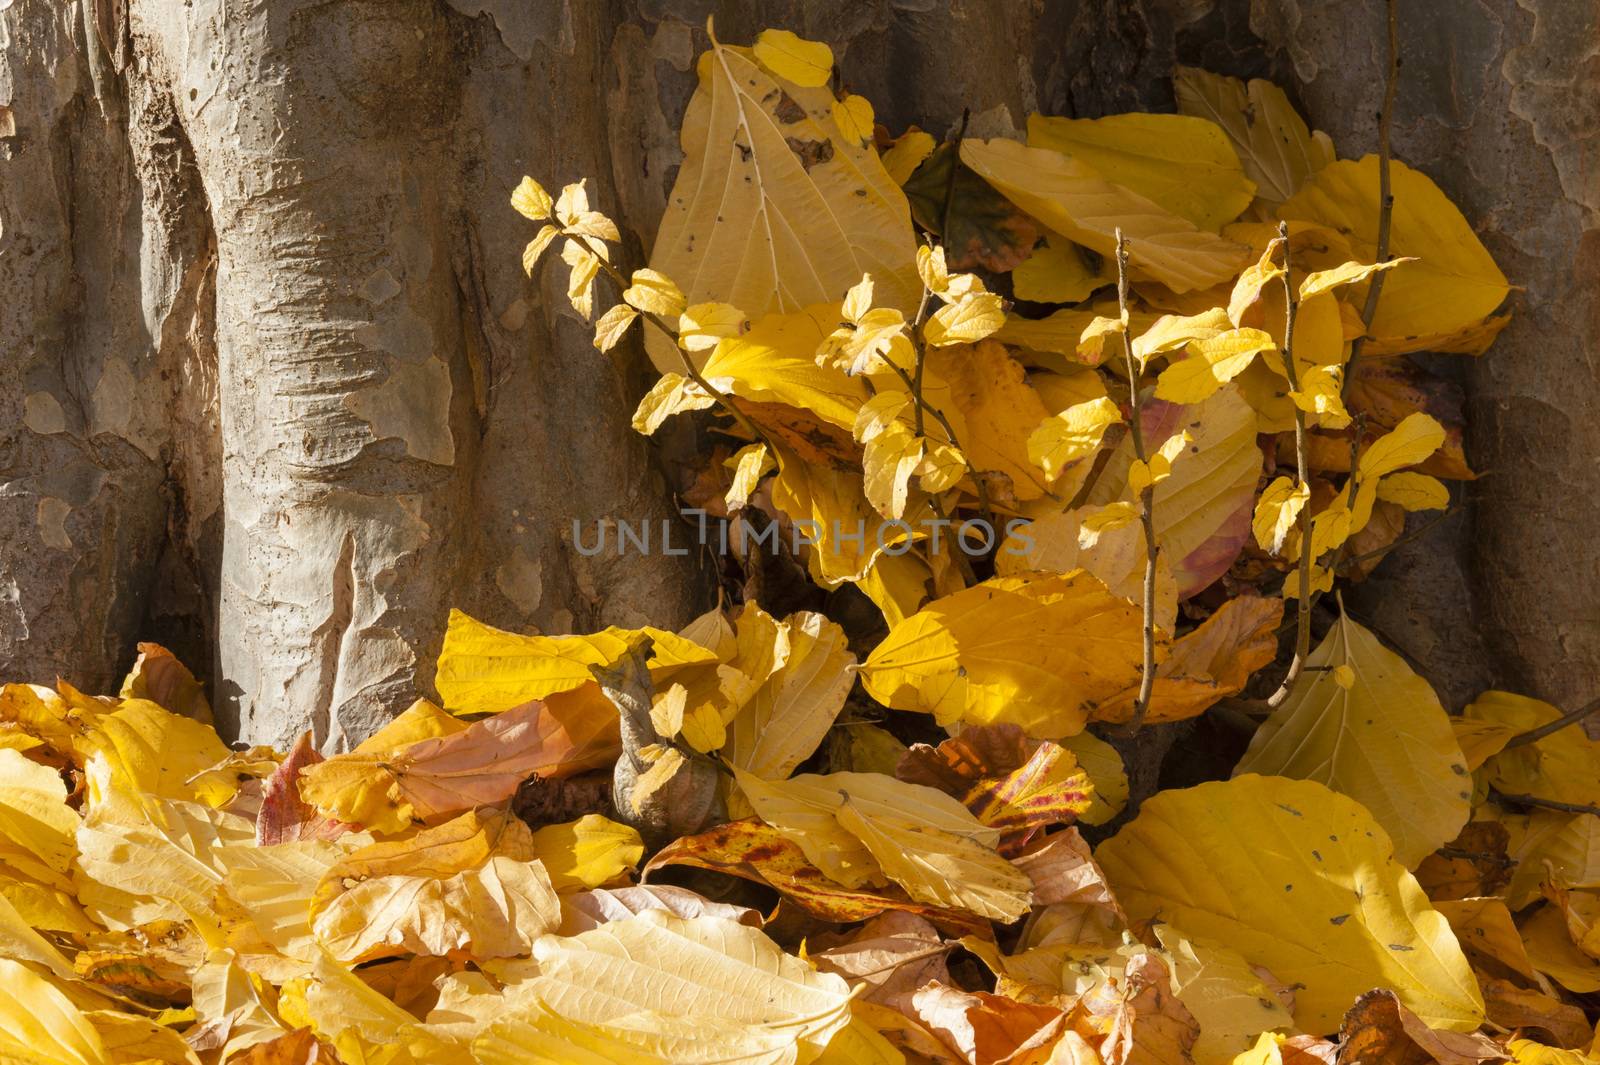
[275,391]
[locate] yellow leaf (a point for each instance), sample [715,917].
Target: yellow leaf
[966,321]
[853,116]
[1202,512]
[164,854]
[1320,281]
[152,752]
[274,886]
[1296,878]
[1563,846]
[750,464]
[942,468]
[1116,554]
[1277,511]
[733,981]
[1184,164]
[806,63]
[157,675]
[775,208]
[907,153]
[1223,992]
[1071,435]
[1414,491]
[775,362]
[580,282]
[612,325]
[1452,283]
[1095,522]
[672,394]
[1211,363]
[1072,199]
[484,669]
[531,201]
[654,293]
[704,729]
[939,867]
[1407,444]
[993,410]
[39,1025]
[788,716]
[494,911]
[703,325]
[37,827]
[1275,148]
[887,463]
[1385,741]
[1527,1052]
[588,852]
[1104,765]
[1058,271]
[1563,766]
[537,246]
[1170,332]
[1011,649]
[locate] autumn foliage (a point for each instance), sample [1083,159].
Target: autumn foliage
[1068,435]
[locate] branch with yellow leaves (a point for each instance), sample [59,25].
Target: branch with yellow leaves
[1147,677]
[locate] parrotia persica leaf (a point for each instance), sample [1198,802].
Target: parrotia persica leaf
[1038,651]
[1454,283]
[1184,164]
[1276,149]
[1563,766]
[775,208]
[732,981]
[1298,879]
[1383,739]
[1072,198]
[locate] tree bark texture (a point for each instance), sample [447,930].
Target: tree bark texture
[274,390]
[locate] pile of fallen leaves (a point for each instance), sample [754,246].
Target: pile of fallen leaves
[1012,410]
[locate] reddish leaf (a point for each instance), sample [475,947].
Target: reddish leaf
[284,815]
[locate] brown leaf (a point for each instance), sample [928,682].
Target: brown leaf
[809,437]
[1472,865]
[1064,871]
[1511,1006]
[1208,664]
[978,1026]
[284,815]
[1387,391]
[1145,1023]
[1008,781]
[755,851]
[157,675]
[299,1047]
[892,955]
[986,229]
[1378,1030]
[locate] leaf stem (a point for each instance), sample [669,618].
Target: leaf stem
[1147,678]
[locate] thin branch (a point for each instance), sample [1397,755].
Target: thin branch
[689,368]
[919,405]
[1399,541]
[1551,804]
[1302,638]
[1385,195]
[1571,717]
[1147,680]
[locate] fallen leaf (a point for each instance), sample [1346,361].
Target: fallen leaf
[1299,879]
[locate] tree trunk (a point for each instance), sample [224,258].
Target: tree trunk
[275,390]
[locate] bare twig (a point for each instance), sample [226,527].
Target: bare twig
[1571,717]
[1551,804]
[1399,541]
[1141,705]
[1302,638]
[1385,195]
